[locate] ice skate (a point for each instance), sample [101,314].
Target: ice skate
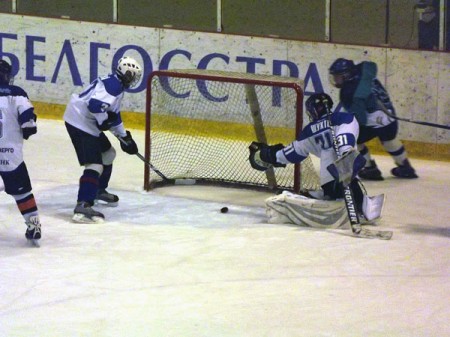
[84,213]
[33,233]
[404,171]
[107,199]
[371,172]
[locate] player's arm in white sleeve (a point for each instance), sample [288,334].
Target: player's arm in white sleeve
[294,153]
[127,143]
[27,117]
[298,150]
[117,128]
[263,156]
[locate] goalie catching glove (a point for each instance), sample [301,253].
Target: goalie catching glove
[128,145]
[263,156]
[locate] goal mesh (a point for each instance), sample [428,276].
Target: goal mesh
[200,123]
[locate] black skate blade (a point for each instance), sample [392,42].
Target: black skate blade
[106,203]
[81,218]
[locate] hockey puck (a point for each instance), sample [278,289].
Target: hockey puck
[224,210]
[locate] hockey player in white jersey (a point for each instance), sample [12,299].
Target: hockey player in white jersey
[87,116]
[317,139]
[17,122]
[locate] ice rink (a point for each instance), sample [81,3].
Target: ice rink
[168,263]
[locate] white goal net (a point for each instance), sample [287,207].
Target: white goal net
[199,125]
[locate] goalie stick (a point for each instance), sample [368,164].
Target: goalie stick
[390,114]
[349,200]
[158,172]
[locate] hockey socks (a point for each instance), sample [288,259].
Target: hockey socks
[88,188]
[105,177]
[87,193]
[27,206]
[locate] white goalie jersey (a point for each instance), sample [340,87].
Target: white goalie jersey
[316,139]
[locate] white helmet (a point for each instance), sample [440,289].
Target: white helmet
[128,71]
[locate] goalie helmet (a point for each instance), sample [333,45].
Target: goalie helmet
[128,71]
[317,105]
[342,70]
[5,72]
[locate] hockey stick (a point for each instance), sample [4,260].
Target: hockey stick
[353,217]
[390,114]
[158,172]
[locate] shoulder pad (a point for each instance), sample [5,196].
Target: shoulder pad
[13,90]
[369,70]
[113,86]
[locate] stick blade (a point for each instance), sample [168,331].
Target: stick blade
[373,234]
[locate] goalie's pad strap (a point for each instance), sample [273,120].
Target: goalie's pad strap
[291,208]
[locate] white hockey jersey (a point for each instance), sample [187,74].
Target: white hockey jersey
[316,139]
[87,110]
[16,111]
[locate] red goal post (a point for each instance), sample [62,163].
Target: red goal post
[199,124]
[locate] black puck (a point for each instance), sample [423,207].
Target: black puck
[224,210]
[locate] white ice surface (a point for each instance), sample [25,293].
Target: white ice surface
[168,263]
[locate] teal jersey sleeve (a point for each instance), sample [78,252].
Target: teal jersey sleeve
[363,100]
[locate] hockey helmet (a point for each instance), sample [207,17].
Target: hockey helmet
[5,72]
[317,105]
[128,71]
[342,70]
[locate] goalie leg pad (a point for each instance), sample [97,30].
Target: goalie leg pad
[299,210]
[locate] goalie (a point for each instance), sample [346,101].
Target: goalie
[324,209]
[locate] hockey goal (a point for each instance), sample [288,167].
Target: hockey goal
[199,125]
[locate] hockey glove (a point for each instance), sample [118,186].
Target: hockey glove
[346,168]
[109,122]
[128,145]
[263,156]
[27,132]
[29,128]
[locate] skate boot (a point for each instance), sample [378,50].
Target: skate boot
[370,172]
[84,213]
[404,171]
[33,233]
[106,198]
